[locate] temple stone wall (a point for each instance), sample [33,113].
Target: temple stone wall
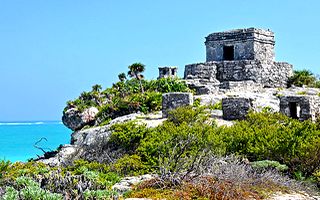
[236,108]
[300,107]
[203,71]
[174,100]
[248,44]
[272,74]
[168,72]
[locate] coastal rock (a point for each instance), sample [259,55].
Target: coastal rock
[63,156]
[127,183]
[75,120]
[90,135]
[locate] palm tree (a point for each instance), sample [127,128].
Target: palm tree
[96,88]
[122,77]
[96,94]
[303,77]
[135,71]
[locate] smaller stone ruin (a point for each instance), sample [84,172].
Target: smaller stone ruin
[236,108]
[167,72]
[174,100]
[300,107]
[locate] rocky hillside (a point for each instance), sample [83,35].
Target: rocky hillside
[122,147]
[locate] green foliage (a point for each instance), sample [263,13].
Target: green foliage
[11,194]
[217,106]
[303,77]
[26,189]
[122,77]
[130,165]
[269,164]
[302,93]
[276,137]
[99,194]
[187,114]
[267,109]
[262,136]
[128,135]
[125,97]
[196,103]
[4,167]
[18,169]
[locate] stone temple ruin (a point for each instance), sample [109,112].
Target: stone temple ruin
[240,60]
[168,72]
[300,107]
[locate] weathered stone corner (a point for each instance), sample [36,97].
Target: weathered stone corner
[236,108]
[174,100]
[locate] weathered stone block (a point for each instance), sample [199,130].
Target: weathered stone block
[174,100]
[168,72]
[300,107]
[236,108]
[241,44]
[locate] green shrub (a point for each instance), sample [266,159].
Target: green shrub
[303,77]
[187,114]
[302,93]
[217,106]
[99,194]
[29,189]
[269,164]
[11,194]
[276,137]
[130,165]
[127,135]
[125,97]
[4,165]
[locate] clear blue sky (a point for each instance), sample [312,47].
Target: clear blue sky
[51,51]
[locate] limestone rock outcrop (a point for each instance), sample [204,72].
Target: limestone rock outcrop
[75,119]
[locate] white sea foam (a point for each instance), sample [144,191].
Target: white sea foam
[26,123]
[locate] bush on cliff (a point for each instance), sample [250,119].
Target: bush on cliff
[125,97]
[262,136]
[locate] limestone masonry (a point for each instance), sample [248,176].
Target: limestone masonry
[242,61]
[241,55]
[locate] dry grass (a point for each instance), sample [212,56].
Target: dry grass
[220,178]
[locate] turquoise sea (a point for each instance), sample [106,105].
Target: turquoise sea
[17,139]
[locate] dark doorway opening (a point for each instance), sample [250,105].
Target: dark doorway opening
[228,53]
[173,72]
[293,107]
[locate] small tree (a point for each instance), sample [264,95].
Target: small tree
[122,77]
[95,93]
[96,88]
[135,71]
[303,77]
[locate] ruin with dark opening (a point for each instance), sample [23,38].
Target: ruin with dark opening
[167,72]
[300,107]
[238,57]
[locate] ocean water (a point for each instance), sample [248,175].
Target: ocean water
[17,139]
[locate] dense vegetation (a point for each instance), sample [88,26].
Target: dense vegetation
[127,96]
[181,150]
[304,78]
[192,157]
